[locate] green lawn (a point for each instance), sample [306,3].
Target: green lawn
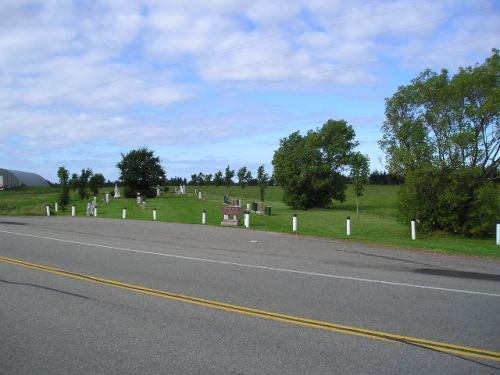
[376,224]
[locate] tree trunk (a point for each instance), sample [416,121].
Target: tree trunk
[357,207]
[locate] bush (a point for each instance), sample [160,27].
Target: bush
[455,201]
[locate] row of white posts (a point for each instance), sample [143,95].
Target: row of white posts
[246,221]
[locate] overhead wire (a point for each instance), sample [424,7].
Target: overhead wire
[208,53]
[156,85]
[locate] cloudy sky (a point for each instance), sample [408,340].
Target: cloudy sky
[216,82]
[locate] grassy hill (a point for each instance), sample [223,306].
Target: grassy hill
[377,222]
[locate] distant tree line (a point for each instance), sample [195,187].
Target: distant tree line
[226,178]
[385,178]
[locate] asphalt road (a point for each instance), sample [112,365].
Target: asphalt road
[73,322]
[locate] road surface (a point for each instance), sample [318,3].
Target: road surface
[90,295]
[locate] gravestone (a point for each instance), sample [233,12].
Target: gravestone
[117,192]
[232,201]
[139,198]
[261,208]
[232,216]
[158,191]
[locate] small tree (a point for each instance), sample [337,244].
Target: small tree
[63,175]
[360,171]
[218,179]
[228,178]
[73,183]
[208,179]
[262,181]
[83,183]
[244,177]
[194,179]
[200,180]
[140,172]
[96,181]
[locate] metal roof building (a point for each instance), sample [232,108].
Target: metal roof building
[10,178]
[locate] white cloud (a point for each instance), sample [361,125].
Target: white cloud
[153,55]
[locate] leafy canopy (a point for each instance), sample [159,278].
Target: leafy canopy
[140,172]
[442,135]
[309,168]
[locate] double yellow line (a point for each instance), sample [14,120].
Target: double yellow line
[376,335]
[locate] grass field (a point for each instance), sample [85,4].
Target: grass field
[377,222]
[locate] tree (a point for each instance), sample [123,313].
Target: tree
[73,183]
[218,179]
[228,178]
[442,135]
[309,168]
[208,179]
[194,179]
[200,180]
[360,171]
[96,181]
[262,181]
[83,183]
[141,171]
[244,177]
[63,175]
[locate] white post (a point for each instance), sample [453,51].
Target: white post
[73,210]
[55,207]
[107,198]
[498,233]
[199,195]
[47,209]
[124,213]
[95,211]
[348,225]
[154,214]
[247,219]
[294,223]
[413,230]
[204,217]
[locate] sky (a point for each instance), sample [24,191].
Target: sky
[206,84]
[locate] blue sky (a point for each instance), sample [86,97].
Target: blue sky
[213,83]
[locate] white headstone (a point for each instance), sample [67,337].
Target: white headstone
[158,191]
[117,192]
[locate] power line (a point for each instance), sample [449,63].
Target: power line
[435,21]
[210,53]
[334,69]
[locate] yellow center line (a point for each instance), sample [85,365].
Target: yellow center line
[350,330]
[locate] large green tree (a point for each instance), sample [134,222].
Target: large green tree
[310,168]
[442,135]
[141,171]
